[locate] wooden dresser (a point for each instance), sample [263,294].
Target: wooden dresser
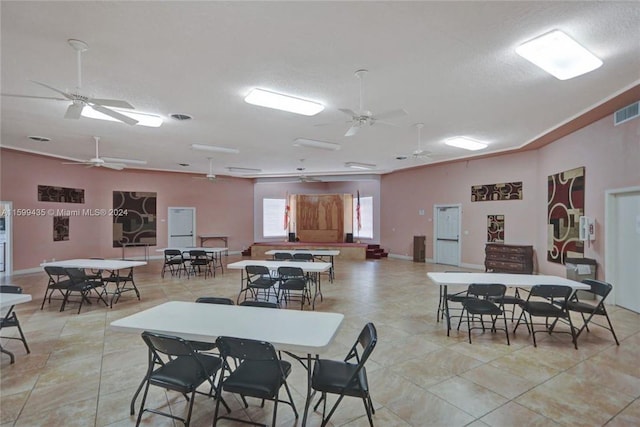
[501,258]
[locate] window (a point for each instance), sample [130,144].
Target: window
[273,218]
[366,217]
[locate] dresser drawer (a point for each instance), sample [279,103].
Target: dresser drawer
[501,258]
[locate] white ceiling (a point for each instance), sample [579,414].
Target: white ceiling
[450,65]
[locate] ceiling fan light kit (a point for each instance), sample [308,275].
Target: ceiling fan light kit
[357,165]
[278,101]
[312,143]
[214,149]
[559,55]
[465,143]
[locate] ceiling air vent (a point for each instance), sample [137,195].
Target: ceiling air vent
[627,113]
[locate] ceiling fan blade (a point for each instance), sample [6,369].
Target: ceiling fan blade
[66,95]
[117,103]
[391,114]
[114,114]
[78,163]
[33,97]
[348,112]
[115,166]
[353,130]
[74,111]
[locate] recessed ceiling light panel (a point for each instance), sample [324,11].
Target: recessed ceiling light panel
[465,143]
[243,170]
[357,165]
[559,55]
[213,148]
[278,101]
[144,119]
[312,143]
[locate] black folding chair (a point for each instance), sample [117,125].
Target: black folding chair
[599,290]
[294,284]
[83,285]
[550,302]
[174,262]
[174,365]
[10,320]
[258,373]
[481,301]
[346,377]
[58,281]
[258,280]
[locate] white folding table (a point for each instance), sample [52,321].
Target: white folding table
[113,265]
[292,331]
[216,253]
[524,281]
[7,301]
[318,254]
[313,268]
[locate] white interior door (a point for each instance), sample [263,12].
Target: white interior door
[447,232]
[624,266]
[182,226]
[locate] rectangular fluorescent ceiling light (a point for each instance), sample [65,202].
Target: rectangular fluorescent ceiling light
[312,143]
[119,160]
[278,101]
[243,170]
[144,119]
[559,55]
[466,143]
[214,149]
[356,165]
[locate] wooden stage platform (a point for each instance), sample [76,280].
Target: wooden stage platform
[351,251]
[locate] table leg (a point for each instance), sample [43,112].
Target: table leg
[307,402]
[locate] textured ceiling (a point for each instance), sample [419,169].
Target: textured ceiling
[450,65]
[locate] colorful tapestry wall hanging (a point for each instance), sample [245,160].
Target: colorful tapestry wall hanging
[495,228]
[565,205]
[134,218]
[47,193]
[491,192]
[60,228]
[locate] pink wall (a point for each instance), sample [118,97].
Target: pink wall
[610,155]
[224,207]
[405,193]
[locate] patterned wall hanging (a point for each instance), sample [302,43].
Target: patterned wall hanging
[495,228]
[47,193]
[60,228]
[134,218]
[490,192]
[565,205]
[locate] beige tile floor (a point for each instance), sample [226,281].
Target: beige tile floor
[81,373]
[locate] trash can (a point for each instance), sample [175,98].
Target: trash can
[579,269]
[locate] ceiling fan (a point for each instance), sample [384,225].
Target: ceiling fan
[211,177]
[80,101]
[365,117]
[419,153]
[97,161]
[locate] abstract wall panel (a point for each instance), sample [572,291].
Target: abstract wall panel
[47,193]
[490,192]
[135,217]
[495,228]
[60,228]
[565,205]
